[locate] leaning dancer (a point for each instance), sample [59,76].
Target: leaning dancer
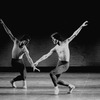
[62,49]
[18,51]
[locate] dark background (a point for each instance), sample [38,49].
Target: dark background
[41,19]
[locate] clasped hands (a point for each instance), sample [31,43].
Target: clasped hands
[34,67]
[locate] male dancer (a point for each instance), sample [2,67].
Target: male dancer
[62,49]
[18,51]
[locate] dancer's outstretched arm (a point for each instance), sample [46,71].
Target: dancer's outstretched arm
[44,57]
[30,59]
[77,31]
[7,30]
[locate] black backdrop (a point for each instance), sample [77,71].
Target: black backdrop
[41,19]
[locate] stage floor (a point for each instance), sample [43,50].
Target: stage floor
[40,87]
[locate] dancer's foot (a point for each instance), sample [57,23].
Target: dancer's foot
[56,91]
[13,84]
[24,84]
[71,87]
[24,87]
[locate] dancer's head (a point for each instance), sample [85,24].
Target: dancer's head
[56,37]
[24,40]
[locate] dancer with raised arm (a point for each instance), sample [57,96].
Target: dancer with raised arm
[18,51]
[63,52]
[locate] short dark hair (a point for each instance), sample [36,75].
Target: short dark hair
[25,37]
[57,36]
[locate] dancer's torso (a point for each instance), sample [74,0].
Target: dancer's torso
[63,52]
[17,52]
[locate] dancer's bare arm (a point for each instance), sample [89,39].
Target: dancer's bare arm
[7,30]
[45,56]
[30,59]
[77,31]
